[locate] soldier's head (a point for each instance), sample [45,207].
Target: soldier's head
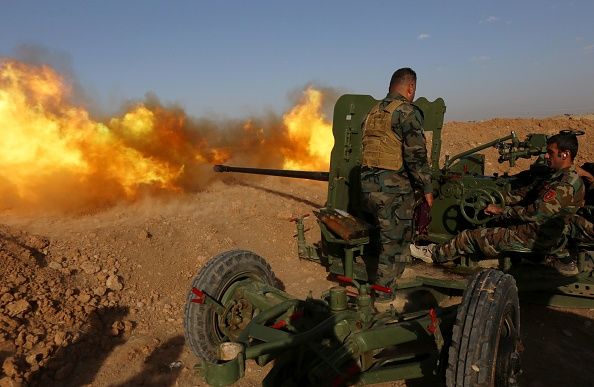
[404,82]
[561,150]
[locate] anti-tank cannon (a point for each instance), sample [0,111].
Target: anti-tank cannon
[461,188]
[236,311]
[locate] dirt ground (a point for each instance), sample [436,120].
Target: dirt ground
[97,299]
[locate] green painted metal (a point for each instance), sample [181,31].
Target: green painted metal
[345,160]
[400,372]
[325,337]
[224,373]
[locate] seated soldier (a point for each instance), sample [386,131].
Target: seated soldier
[537,225]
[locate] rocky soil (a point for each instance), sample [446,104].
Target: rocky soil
[97,299]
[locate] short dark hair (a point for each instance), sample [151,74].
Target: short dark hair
[405,74]
[566,142]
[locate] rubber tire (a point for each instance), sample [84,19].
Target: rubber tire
[489,305]
[215,278]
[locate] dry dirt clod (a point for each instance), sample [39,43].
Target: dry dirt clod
[90,267]
[9,367]
[100,291]
[114,283]
[83,298]
[55,265]
[60,338]
[17,308]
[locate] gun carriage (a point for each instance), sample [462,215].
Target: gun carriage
[235,310]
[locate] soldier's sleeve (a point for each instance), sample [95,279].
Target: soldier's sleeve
[414,149]
[558,197]
[514,197]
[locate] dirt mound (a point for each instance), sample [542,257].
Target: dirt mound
[53,309]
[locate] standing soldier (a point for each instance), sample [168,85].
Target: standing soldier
[394,166]
[536,226]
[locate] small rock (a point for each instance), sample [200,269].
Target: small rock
[20,280]
[9,382]
[90,267]
[18,307]
[114,283]
[145,234]
[33,359]
[99,291]
[101,276]
[175,364]
[475,368]
[83,298]
[7,297]
[128,326]
[60,338]
[9,367]
[116,328]
[55,265]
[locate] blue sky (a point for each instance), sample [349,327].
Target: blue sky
[236,58]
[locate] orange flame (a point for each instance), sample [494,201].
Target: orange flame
[54,155]
[44,139]
[307,127]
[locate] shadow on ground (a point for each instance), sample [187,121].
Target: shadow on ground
[78,363]
[558,346]
[157,372]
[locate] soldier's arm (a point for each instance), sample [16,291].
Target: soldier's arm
[516,196]
[559,197]
[414,149]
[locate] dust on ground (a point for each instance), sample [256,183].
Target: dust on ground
[97,299]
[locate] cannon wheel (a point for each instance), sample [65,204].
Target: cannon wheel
[486,336]
[205,329]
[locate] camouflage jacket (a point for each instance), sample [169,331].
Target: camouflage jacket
[563,193]
[407,123]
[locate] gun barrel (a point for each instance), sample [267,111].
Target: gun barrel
[309,175]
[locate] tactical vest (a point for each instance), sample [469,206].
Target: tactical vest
[381,147]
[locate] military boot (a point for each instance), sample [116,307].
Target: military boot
[564,265]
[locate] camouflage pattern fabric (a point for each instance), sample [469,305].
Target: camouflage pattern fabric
[543,227]
[580,227]
[562,194]
[389,195]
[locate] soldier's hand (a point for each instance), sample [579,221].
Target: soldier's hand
[493,209]
[429,198]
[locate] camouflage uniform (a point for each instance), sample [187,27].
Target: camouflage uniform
[542,220]
[389,194]
[580,227]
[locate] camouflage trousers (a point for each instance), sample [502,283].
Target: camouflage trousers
[491,242]
[389,197]
[580,229]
